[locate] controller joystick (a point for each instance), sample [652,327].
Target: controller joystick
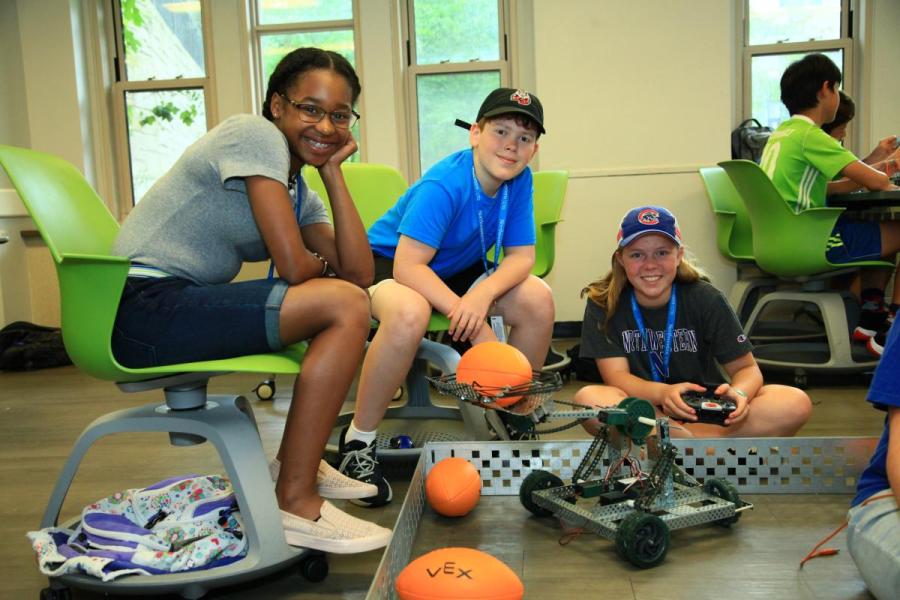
[709,408]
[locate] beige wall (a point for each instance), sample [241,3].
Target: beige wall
[885,71]
[638,95]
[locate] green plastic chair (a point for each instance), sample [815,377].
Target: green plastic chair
[374,188]
[734,238]
[734,235]
[79,231]
[791,247]
[549,196]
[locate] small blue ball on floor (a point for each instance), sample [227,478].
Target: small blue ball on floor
[402,442]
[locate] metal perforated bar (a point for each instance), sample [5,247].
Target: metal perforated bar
[828,465]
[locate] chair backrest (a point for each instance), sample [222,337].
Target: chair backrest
[734,233]
[784,243]
[374,188]
[549,195]
[79,231]
[62,204]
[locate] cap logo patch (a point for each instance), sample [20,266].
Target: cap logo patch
[521,97]
[648,217]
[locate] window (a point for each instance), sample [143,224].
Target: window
[778,32]
[280,26]
[161,90]
[456,54]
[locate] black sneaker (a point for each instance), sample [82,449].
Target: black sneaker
[870,324]
[360,462]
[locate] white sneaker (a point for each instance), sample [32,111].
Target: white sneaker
[332,483]
[335,531]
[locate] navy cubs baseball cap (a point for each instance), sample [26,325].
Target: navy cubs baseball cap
[508,100]
[648,219]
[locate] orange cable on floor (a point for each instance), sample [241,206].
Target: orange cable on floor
[816,553]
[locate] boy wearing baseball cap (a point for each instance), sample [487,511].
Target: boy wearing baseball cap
[657,330]
[430,252]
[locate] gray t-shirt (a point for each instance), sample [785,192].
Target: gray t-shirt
[196,222]
[706,332]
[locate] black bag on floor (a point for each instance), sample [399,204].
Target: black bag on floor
[584,369]
[25,346]
[749,139]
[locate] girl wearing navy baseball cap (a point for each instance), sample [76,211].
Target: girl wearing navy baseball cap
[658,330]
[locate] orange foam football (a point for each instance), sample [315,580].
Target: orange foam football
[458,574]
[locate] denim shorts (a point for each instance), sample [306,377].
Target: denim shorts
[164,321]
[854,240]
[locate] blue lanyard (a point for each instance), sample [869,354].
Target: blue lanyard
[501,221]
[659,366]
[296,195]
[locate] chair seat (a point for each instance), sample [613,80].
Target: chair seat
[285,362]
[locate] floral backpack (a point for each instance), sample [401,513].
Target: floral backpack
[179,524]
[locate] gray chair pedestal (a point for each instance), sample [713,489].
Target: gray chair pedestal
[227,422]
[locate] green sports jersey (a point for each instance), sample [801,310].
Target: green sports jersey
[801,159]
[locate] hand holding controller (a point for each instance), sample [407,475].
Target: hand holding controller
[709,407]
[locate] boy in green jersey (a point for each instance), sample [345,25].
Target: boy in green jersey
[806,164]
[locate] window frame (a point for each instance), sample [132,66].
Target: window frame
[844,43]
[504,65]
[258,30]
[121,87]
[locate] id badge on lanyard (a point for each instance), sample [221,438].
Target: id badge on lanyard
[659,364]
[501,221]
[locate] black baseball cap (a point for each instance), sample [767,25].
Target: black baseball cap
[508,100]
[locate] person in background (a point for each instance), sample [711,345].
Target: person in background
[886,150]
[868,285]
[806,164]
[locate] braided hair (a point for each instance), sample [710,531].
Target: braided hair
[298,61]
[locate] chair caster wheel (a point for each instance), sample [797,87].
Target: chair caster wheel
[49,593]
[800,380]
[265,390]
[315,568]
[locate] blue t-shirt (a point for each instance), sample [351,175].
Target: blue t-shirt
[441,211]
[883,394]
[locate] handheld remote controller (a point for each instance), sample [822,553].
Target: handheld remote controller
[709,407]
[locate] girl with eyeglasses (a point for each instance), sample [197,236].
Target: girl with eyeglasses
[237,195]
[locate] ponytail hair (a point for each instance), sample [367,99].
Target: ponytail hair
[296,62]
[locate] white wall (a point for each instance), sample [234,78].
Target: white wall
[637,96]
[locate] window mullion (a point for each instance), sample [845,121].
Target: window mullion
[306,27]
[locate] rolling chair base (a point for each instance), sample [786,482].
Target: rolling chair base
[221,418]
[835,355]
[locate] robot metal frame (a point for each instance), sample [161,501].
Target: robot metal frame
[633,507]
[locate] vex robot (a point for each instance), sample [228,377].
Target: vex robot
[622,499]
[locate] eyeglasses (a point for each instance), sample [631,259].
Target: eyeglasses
[310,113]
